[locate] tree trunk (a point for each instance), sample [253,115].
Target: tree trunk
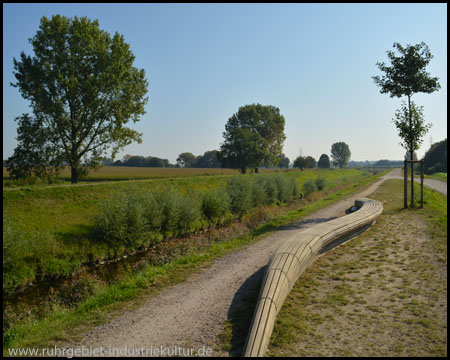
[411,149]
[74,174]
[243,170]
[256,170]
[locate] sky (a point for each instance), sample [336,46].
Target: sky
[314,62]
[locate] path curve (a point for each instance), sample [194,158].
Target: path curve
[192,314]
[438,185]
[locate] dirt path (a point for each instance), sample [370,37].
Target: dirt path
[191,314]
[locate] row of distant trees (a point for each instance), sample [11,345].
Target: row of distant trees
[340,155]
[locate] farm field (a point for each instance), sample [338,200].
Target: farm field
[118,173]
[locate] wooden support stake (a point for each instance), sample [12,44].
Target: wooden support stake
[405,173]
[421,183]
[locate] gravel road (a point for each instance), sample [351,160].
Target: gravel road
[191,314]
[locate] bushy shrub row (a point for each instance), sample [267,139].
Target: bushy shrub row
[137,217]
[314,185]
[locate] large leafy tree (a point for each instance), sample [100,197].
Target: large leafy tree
[340,153]
[253,136]
[83,89]
[407,76]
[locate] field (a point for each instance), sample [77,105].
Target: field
[118,173]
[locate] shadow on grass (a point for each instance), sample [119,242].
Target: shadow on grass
[241,312]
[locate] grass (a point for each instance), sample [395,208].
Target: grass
[62,218]
[381,294]
[438,176]
[107,300]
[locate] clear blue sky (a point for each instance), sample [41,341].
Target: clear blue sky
[203,61]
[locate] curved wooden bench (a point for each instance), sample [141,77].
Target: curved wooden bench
[292,258]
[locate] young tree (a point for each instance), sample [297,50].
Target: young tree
[340,153]
[407,76]
[253,136]
[83,88]
[324,162]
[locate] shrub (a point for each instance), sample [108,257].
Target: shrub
[122,220]
[320,183]
[284,191]
[271,189]
[215,205]
[309,186]
[167,200]
[259,193]
[189,212]
[239,190]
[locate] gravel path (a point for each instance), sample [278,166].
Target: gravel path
[191,314]
[439,186]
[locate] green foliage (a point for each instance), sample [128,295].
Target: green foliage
[411,126]
[253,136]
[259,191]
[340,153]
[189,212]
[186,159]
[309,186]
[324,162]
[320,183]
[283,161]
[122,220]
[407,74]
[435,159]
[239,190]
[215,205]
[81,82]
[35,154]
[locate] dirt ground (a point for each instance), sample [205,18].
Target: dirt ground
[380,294]
[192,314]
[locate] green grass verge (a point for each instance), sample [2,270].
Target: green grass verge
[127,292]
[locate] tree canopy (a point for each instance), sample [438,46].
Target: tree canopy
[324,162]
[253,136]
[340,153]
[83,89]
[283,161]
[435,159]
[186,159]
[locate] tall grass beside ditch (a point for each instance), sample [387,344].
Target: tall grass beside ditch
[50,232]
